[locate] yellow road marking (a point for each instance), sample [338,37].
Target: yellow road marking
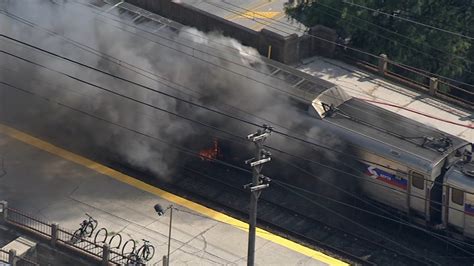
[48,147]
[263,24]
[253,7]
[259,14]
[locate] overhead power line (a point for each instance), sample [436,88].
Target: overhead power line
[338,44]
[304,140]
[395,33]
[334,151]
[294,190]
[218,129]
[167,95]
[124,64]
[172,145]
[409,20]
[203,124]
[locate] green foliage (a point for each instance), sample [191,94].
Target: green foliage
[415,45]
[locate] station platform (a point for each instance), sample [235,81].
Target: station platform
[59,186]
[396,98]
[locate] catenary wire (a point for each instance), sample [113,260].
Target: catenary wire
[335,213]
[120,62]
[340,152]
[408,20]
[279,132]
[424,53]
[180,148]
[451,241]
[272,148]
[345,46]
[210,126]
[176,98]
[395,33]
[293,27]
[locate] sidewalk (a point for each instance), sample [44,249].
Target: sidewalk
[57,186]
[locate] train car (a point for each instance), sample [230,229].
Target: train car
[416,169]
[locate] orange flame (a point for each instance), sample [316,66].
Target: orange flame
[211,153]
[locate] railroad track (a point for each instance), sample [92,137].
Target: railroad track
[228,196]
[282,220]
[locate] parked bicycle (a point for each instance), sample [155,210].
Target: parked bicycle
[144,253]
[134,259]
[87,228]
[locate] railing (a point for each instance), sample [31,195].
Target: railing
[10,258]
[18,218]
[437,86]
[4,256]
[95,250]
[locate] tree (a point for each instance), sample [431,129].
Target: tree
[415,45]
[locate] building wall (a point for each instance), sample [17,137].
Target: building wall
[285,49]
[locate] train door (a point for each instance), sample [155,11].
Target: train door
[436,199]
[417,194]
[456,208]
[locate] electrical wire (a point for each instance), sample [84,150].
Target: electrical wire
[341,45]
[196,121]
[203,124]
[417,112]
[178,147]
[396,41]
[275,149]
[408,20]
[173,97]
[120,62]
[175,146]
[217,129]
[132,99]
[335,213]
[449,240]
[393,32]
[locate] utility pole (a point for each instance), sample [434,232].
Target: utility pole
[259,182]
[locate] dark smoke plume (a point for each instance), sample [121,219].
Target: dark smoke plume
[213,86]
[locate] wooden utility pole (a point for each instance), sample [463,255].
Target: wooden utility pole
[259,182]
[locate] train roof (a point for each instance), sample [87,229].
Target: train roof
[408,140]
[375,125]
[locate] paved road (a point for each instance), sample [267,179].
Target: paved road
[58,186]
[254,14]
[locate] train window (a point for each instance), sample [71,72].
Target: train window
[417,180]
[457,196]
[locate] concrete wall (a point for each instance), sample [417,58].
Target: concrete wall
[285,49]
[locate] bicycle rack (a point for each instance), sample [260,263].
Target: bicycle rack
[115,242]
[112,239]
[125,245]
[105,236]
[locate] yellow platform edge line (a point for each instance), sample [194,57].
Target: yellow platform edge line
[48,147]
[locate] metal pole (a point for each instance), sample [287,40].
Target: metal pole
[259,182]
[253,211]
[169,236]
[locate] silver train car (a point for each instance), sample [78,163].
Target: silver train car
[416,169]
